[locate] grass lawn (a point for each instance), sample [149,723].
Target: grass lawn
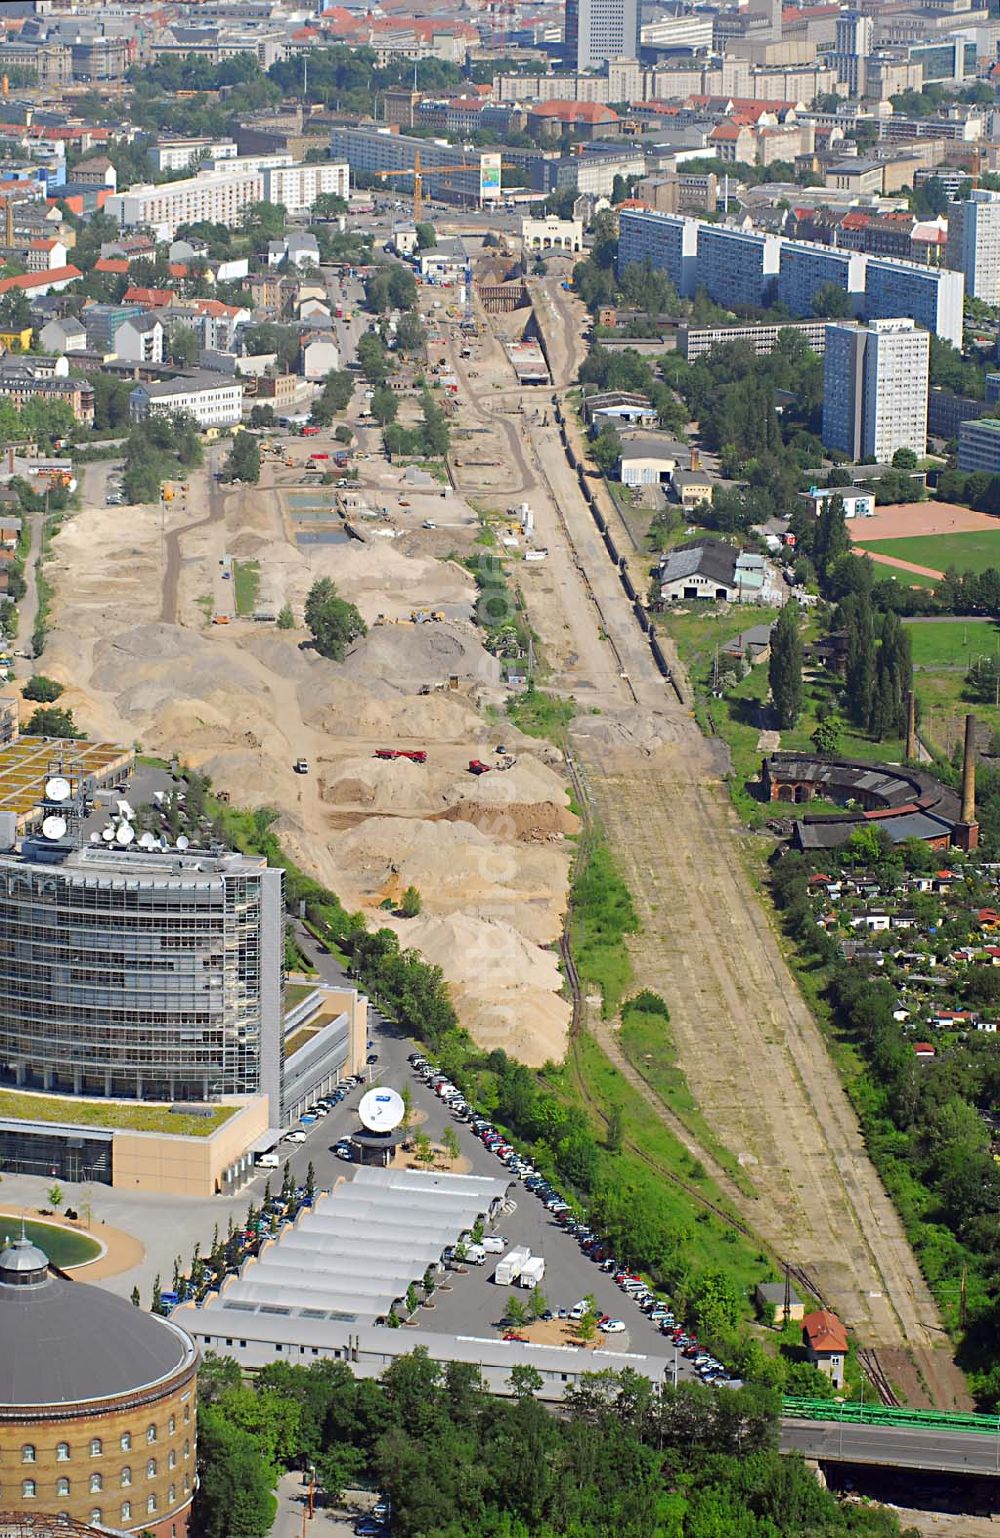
[741,716]
[539,714]
[708,1241]
[128,1115]
[301,1037]
[967,552]
[648,1043]
[63,1246]
[942,655]
[296,992]
[951,643]
[246,576]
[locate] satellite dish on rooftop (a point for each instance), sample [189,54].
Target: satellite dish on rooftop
[108,835]
[147,841]
[54,827]
[183,843]
[95,838]
[381,1110]
[58,788]
[125,834]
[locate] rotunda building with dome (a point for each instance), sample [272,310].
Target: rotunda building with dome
[97,1404]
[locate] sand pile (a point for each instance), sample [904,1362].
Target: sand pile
[410,655]
[382,785]
[504,987]
[456,868]
[381,579]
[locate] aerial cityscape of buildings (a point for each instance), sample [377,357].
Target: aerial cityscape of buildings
[276,816]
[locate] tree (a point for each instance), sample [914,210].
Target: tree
[831,302]
[450,1144]
[785,668]
[335,397]
[263,222]
[616,1123]
[234,1498]
[262,416]
[538,1303]
[136,1299]
[411,336]
[827,735]
[333,622]
[184,345]
[41,689]
[516,1312]
[243,461]
[435,432]
[55,1196]
[411,903]
[383,406]
[606,450]
[52,721]
[286,619]
[373,358]
[904,459]
[426,236]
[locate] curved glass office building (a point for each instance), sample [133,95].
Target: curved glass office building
[141,975]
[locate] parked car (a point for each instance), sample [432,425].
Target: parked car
[613,1327]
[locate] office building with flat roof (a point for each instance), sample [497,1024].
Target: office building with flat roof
[669,242]
[979,445]
[139,974]
[738,267]
[597,31]
[805,269]
[974,243]
[933,297]
[875,381]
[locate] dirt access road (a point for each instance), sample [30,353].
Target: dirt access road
[751,1049]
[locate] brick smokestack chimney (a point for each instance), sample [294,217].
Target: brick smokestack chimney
[969,772]
[911,727]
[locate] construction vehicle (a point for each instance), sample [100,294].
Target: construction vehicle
[220,619]
[476,766]
[301,766]
[167,493]
[415,755]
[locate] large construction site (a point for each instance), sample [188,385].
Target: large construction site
[489,852]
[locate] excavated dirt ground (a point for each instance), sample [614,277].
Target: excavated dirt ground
[242,701]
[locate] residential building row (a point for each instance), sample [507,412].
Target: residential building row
[222,196]
[748,269]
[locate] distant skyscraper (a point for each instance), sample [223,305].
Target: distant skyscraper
[974,243]
[854,42]
[599,30]
[875,381]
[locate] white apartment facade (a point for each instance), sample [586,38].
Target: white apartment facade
[212,399]
[296,188]
[974,243]
[181,154]
[218,196]
[875,383]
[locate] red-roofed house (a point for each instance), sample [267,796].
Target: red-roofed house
[117,266]
[45,254]
[733,142]
[35,284]
[150,298]
[825,1341]
[550,118]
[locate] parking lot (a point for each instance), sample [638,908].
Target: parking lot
[472,1303]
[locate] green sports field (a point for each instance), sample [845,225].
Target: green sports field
[966,552]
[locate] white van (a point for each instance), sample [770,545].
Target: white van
[267,1161]
[494,1245]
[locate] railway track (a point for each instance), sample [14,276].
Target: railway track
[867,1358]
